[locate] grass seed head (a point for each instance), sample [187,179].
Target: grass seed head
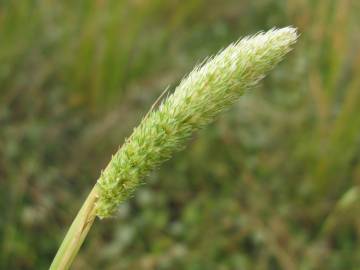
[208,90]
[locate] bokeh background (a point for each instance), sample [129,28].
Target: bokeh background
[272,184]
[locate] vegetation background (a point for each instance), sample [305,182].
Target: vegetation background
[273,184]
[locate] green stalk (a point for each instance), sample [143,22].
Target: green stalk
[76,233]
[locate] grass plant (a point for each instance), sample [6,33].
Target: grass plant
[209,89]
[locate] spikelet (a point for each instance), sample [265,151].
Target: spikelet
[208,90]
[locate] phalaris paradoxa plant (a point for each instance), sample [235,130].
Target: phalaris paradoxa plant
[208,90]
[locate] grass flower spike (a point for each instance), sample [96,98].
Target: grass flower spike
[208,90]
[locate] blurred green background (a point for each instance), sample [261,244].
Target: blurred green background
[273,184]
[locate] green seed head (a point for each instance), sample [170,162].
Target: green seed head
[209,89]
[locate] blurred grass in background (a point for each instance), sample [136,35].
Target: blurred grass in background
[274,184]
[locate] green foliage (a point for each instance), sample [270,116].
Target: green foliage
[266,187]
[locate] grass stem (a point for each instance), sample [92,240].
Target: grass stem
[76,233]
